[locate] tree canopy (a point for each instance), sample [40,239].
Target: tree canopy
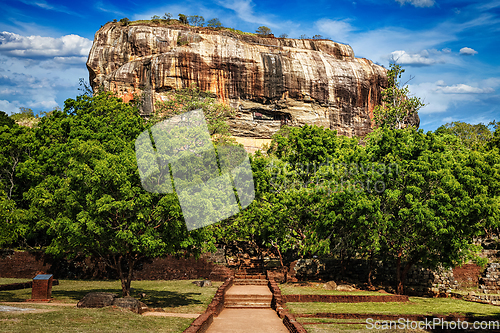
[398,107]
[90,194]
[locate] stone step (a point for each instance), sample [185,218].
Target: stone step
[258,282]
[247,305]
[260,301]
[250,276]
[258,297]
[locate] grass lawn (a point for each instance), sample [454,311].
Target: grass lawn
[416,305]
[351,329]
[57,319]
[344,326]
[173,296]
[179,296]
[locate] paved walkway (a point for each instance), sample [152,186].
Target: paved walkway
[247,320]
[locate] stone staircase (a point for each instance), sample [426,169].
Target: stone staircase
[249,291]
[250,279]
[251,265]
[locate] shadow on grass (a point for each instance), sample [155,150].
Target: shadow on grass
[168,299]
[155,298]
[15,295]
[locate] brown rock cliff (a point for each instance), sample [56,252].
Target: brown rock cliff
[269,81]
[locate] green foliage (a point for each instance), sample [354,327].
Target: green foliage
[440,198]
[183,19]
[263,31]
[182,40]
[155,19]
[214,23]
[495,141]
[472,136]
[125,21]
[24,114]
[196,21]
[283,36]
[239,32]
[407,197]
[5,120]
[167,16]
[15,151]
[398,107]
[89,196]
[192,98]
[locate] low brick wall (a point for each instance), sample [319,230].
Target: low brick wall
[25,265]
[393,316]
[203,322]
[345,298]
[278,305]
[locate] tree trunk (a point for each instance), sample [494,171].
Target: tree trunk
[124,274]
[399,283]
[370,270]
[401,274]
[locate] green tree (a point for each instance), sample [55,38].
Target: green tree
[407,197]
[472,136]
[196,21]
[167,17]
[263,31]
[300,203]
[435,203]
[183,19]
[155,19]
[214,23]
[283,35]
[398,108]
[24,113]
[14,151]
[90,198]
[5,120]
[125,21]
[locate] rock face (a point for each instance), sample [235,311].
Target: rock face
[269,81]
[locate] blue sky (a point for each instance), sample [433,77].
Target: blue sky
[450,48]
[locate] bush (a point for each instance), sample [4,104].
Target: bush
[263,31]
[125,21]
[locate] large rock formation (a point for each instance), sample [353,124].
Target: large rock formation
[269,81]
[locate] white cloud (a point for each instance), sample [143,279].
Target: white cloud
[464,89]
[415,59]
[440,97]
[9,107]
[418,3]
[447,120]
[467,51]
[337,30]
[244,10]
[37,47]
